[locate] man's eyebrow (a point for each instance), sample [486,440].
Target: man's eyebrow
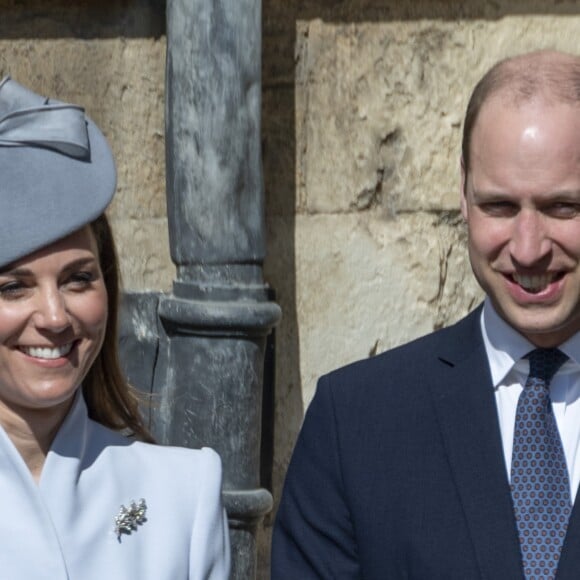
[565,193]
[489,194]
[548,195]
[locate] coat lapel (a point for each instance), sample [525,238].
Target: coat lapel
[465,406]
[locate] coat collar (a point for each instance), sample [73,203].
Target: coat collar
[28,521]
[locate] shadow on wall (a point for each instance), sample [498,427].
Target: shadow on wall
[85,19]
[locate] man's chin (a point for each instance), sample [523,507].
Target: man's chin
[543,329]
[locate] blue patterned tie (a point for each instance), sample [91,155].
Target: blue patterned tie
[539,477]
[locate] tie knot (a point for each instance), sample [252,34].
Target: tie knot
[545,362]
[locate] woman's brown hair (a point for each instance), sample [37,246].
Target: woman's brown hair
[110,399]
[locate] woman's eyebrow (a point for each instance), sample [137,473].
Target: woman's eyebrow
[23,272]
[79,262]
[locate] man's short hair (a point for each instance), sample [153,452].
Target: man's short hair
[548,74]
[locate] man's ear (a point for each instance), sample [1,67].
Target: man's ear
[463,192]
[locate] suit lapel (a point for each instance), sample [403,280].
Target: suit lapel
[465,406]
[569,567]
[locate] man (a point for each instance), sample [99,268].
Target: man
[441,459]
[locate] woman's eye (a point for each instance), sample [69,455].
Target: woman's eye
[81,279]
[12,290]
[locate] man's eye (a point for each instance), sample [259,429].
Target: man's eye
[499,208]
[563,210]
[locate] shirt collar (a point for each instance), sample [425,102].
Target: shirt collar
[505,346]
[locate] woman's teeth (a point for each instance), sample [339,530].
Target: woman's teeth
[47,353]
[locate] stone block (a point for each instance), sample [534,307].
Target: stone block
[143,247]
[365,284]
[379,105]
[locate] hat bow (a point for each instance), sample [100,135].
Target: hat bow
[29,120]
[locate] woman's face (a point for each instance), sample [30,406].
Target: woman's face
[53,314]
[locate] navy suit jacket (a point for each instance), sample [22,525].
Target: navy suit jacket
[398,473]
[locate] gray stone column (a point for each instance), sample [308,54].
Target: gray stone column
[209,371]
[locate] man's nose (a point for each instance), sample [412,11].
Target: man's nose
[529,243]
[51,310]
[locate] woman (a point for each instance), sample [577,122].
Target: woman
[83,495]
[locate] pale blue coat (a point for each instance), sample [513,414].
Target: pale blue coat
[64,528]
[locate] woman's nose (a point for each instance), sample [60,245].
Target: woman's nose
[51,311]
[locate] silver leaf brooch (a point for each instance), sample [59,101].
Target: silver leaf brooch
[128,519]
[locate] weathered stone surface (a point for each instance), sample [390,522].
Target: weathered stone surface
[281,18]
[365,284]
[143,247]
[379,106]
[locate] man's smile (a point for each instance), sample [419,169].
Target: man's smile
[537,282]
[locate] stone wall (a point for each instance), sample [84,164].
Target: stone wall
[362,110]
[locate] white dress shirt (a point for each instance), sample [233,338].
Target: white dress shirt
[505,348]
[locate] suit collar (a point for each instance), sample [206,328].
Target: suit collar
[464,402]
[460,341]
[570,557]
[504,345]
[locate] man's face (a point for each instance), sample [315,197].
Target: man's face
[522,208]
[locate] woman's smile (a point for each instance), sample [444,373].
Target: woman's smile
[47,352]
[53,314]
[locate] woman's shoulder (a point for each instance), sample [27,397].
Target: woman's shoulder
[163,461]
[203,458]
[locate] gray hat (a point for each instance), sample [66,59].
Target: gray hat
[57,172]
